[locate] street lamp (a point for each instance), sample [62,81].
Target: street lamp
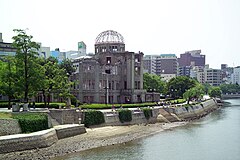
[106,87]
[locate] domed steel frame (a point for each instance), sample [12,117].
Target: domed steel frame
[109,36]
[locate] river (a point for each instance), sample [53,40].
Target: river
[214,137]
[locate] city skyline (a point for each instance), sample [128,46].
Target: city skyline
[152,27]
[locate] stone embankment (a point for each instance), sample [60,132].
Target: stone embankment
[176,114]
[40,139]
[53,137]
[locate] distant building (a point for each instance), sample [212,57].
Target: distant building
[60,56]
[235,76]
[44,52]
[191,58]
[6,49]
[226,73]
[149,63]
[166,66]
[197,72]
[76,54]
[213,76]
[184,71]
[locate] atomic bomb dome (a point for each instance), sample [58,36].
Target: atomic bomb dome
[109,36]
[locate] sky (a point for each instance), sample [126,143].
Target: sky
[150,26]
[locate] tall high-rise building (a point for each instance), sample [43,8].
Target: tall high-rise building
[149,63]
[235,76]
[191,58]
[166,66]
[213,76]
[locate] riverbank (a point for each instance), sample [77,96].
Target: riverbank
[95,137]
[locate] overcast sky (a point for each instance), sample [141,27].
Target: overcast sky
[150,26]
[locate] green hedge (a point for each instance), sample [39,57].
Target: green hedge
[109,106]
[4,105]
[125,115]
[32,122]
[147,113]
[93,117]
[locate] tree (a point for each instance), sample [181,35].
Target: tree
[55,81]
[151,81]
[179,85]
[195,92]
[29,72]
[66,64]
[215,92]
[230,88]
[8,78]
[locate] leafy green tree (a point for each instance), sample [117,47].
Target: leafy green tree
[69,70]
[8,78]
[67,65]
[215,92]
[177,86]
[29,71]
[230,88]
[151,81]
[55,81]
[195,92]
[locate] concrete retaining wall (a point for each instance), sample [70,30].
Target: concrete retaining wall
[138,117]
[189,113]
[20,142]
[64,131]
[65,116]
[40,139]
[9,126]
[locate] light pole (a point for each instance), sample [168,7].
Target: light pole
[106,88]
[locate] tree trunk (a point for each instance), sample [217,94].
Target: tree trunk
[26,78]
[44,98]
[9,102]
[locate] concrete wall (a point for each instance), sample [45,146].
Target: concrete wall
[9,126]
[138,117]
[64,131]
[174,114]
[65,116]
[40,139]
[20,142]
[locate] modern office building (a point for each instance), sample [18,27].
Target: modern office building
[82,48]
[6,49]
[191,58]
[213,76]
[112,75]
[184,71]
[149,63]
[235,76]
[166,66]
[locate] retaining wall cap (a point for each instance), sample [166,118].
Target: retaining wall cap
[16,136]
[67,126]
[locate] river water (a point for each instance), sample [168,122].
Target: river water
[214,137]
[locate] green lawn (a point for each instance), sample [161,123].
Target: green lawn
[5,115]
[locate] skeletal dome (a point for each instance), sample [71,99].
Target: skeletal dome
[109,36]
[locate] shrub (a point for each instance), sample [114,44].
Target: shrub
[93,117]
[109,106]
[147,113]
[32,122]
[3,105]
[125,115]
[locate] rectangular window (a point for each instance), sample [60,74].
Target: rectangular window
[108,60]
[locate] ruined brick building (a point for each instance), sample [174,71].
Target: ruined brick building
[111,75]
